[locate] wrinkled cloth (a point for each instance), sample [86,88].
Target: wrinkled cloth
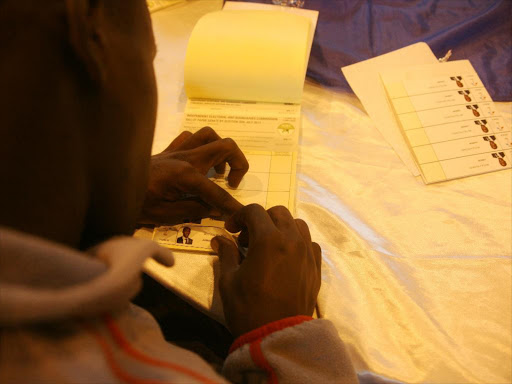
[65,317]
[350,31]
[416,278]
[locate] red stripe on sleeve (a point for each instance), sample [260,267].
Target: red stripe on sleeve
[114,366]
[267,329]
[119,338]
[259,359]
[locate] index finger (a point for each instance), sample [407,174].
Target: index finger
[225,150]
[196,183]
[178,141]
[254,218]
[204,136]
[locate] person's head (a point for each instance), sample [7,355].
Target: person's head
[77,114]
[186,232]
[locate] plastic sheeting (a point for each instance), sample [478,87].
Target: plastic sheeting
[416,278]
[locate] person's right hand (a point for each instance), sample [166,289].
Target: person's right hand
[280,276]
[178,188]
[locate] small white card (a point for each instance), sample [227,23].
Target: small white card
[190,236]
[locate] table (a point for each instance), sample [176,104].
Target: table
[416,278]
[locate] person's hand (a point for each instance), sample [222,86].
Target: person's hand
[280,276]
[178,187]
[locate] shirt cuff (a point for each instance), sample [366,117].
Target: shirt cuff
[267,329]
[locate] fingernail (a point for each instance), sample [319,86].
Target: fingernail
[214,243]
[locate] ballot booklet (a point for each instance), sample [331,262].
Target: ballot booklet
[448,119]
[245,68]
[156,5]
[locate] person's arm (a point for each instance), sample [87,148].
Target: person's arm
[291,350]
[280,277]
[269,298]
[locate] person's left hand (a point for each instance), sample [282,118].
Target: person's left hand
[178,188]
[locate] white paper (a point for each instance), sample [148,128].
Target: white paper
[365,81]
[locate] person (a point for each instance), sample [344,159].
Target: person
[77,114]
[185,238]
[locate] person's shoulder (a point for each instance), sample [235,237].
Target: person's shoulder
[180,239]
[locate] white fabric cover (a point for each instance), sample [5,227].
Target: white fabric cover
[416,278]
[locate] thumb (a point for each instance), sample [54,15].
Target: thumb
[228,254]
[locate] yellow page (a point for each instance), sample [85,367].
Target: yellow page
[248,55]
[267,133]
[156,5]
[311,14]
[269,182]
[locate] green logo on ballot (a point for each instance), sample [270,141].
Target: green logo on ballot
[286,129]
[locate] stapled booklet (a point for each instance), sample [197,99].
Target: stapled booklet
[245,68]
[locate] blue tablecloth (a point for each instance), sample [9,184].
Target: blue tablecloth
[350,31]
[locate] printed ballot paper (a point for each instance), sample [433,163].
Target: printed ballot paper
[438,117]
[245,68]
[449,121]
